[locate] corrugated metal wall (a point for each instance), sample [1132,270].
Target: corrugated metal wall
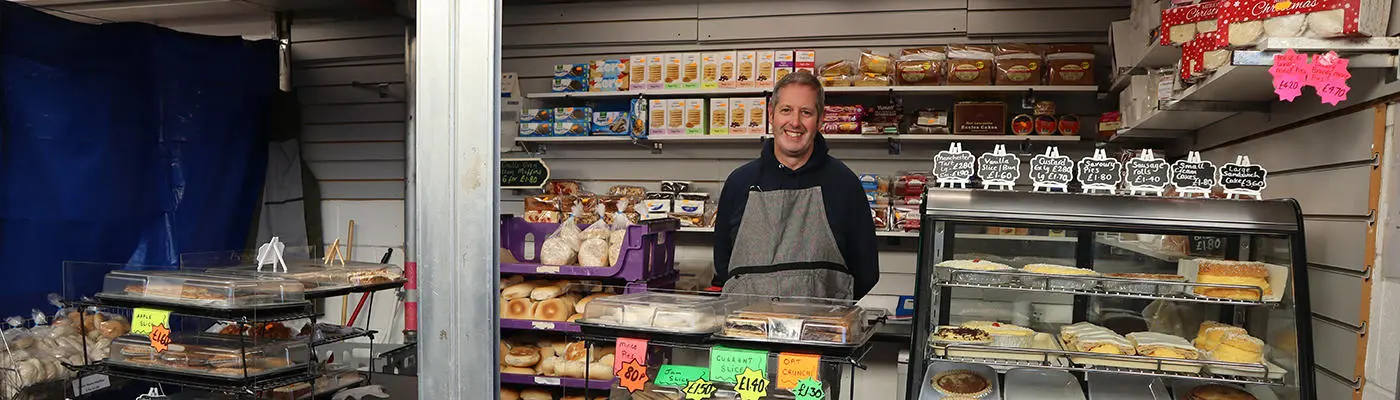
[1328,159]
[351,77]
[535,38]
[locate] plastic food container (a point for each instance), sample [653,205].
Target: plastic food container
[318,278]
[1039,384]
[210,356]
[197,289]
[659,311]
[797,323]
[356,273]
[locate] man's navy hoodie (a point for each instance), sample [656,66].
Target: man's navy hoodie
[847,209]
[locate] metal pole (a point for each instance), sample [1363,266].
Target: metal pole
[456,145]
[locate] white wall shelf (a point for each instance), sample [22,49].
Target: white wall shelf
[1154,56]
[931,90]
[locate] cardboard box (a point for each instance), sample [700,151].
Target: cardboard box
[805,60]
[763,69]
[738,116]
[690,71]
[979,118]
[695,117]
[671,74]
[571,77]
[709,70]
[639,117]
[747,61]
[656,117]
[656,66]
[637,73]
[612,123]
[728,69]
[608,76]
[783,64]
[536,129]
[757,120]
[537,115]
[675,116]
[719,116]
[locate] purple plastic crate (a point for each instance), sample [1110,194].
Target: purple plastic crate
[575,383]
[650,251]
[532,325]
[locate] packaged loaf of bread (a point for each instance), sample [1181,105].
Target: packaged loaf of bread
[837,81]
[564,187]
[617,235]
[542,208]
[1070,64]
[1018,64]
[923,66]
[929,121]
[872,79]
[970,64]
[837,68]
[629,191]
[561,246]
[875,63]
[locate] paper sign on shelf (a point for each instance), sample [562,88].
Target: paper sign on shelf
[629,349]
[809,389]
[794,367]
[1051,170]
[953,167]
[680,375]
[632,376]
[726,363]
[751,384]
[144,319]
[999,169]
[1328,74]
[1290,73]
[699,389]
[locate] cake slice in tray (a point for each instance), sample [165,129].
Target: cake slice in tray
[976,265]
[1003,334]
[1210,333]
[1059,283]
[1161,345]
[1247,273]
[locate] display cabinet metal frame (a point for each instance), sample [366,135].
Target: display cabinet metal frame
[1238,220]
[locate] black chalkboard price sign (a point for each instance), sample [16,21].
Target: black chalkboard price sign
[524,173]
[1206,246]
[1099,173]
[1051,171]
[1193,176]
[1240,178]
[1146,174]
[999,169]
[954,167]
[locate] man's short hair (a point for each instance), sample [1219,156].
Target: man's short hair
[802,78]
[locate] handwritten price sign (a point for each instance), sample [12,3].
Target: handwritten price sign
[751,385]
[632,376]
[1328,74]
[809,389]
[160,338]
[1290,72]
[699,389]
[629,349]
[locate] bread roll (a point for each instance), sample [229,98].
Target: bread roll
[600,371]
[576,351]
[517,371]
[553,310]
[517,291]
[571,369]
[504,349]
[543,293]
[510,394]
[507,281]
[523,356]
[574,318]
[535,394]
[546,350]
[603,351]
[520,309]
[606,359]
[547,366]
[583,303]
[572,297]
[560,348]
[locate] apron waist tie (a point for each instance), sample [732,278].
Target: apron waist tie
[792,266]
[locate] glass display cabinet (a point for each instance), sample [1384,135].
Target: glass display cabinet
[1102,296]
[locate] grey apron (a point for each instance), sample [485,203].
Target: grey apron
[785,248]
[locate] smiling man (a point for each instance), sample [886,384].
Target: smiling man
[795,221]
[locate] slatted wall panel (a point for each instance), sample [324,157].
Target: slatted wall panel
[1325,159]
[350,76]
[535,38]
[1383,349]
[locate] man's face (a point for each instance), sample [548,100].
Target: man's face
[794,120]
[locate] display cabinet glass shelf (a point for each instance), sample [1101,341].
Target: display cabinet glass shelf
[1182,292]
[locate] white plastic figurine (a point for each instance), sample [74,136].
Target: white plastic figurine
[271,253]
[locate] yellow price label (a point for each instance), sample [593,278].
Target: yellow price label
[143,320]
[699,389]
[751,385]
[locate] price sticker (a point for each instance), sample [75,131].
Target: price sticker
[680,375]
[546,269]
[1290,71]
[809,389]
[699,389]
[792,368]
[144,319]
[751,385]
[629,349]
[726,363]
[545,326]
[1328,74]
[160,338]
[632,376]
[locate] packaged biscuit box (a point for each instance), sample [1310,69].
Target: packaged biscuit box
[639,117]
[690,71]
[656,66]
[612,123]
[747,63]
[763,69]
[758,115]
[709,70]
[695,117]
[728,68]
[656,117]
[571,77]
[671,71]
[805,60]
[738,116]
[719,116]
[675,116]
[782,64]
[637,73]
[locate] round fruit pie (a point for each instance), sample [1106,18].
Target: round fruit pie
[960,382]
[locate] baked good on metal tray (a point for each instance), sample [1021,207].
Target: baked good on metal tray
[1052,269]
[1248,273]
[1090,338]
[1153,344]
[962,383]
[1003,334]
[1218,392]
[1239,348]
[1208,337]
[959,334]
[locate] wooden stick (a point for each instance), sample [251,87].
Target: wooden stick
[330,253]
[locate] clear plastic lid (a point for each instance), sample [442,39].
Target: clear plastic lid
[357,273]
[313,278]
[200,289]
[662,311]
[210,355]
[797,322]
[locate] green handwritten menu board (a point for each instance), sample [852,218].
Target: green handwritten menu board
[524,173]
[727,363]
[679,375]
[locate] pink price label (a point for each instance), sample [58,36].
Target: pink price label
[1328,74]
[629,349]
[1290,74]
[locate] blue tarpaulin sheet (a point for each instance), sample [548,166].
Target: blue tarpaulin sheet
[124,143]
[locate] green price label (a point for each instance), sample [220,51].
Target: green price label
[726,363]
[809,389]
[680,375]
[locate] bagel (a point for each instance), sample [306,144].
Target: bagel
[521,308]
